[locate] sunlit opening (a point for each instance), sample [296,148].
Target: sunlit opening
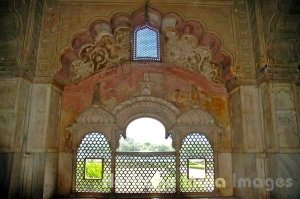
[145,135]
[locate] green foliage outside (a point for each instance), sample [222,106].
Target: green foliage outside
[129,145]
[197,165]
[93,169]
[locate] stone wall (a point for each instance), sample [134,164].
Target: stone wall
[259,113]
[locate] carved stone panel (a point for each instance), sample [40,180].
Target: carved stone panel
[185,52]
[284,97]
[287,131]
[47,40]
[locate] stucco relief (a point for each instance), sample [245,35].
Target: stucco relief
[146,106]
[185,52]
[287,131]
[107,43]
[195,116]
[108,52]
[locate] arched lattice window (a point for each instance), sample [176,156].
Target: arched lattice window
[93,168]
[146,43]
[196,164]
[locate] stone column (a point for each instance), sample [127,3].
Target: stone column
[247,140]
[15,96]
[34,169]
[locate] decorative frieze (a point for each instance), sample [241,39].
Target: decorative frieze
[245,56]
[46,61]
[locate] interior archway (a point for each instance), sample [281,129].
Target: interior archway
[145,135]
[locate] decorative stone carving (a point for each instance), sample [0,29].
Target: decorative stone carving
[146,106]
[47,38]
[185,52]
[232,84]
[284,98]
[95,115]
[245,58]
[287,131]
[107,44]
[195,116]
[146,85]
[109,51]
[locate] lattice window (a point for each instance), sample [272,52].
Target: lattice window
[93,168]
[146,43]
[196,151]
[145,172]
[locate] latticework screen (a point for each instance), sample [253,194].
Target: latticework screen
[195,146]
[146,44]
[145,172]
[94,146]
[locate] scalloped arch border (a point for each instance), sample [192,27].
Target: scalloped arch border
[82,38]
